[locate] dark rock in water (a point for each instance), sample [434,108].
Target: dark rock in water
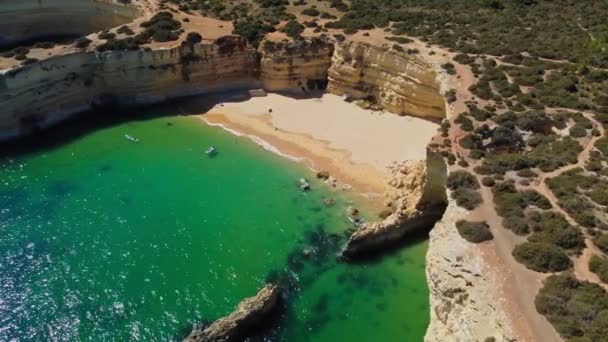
[250,313]
[329,202]
[303,184]
[324,175]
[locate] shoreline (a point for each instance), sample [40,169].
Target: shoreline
[308,131]
[370,195]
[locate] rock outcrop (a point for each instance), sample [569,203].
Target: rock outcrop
[298,66]
[417,195]
[25,20]
[46,92]
[398,82]
[464,299]
[248,314]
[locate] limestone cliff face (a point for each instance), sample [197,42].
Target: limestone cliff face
[27,19]
[295,66]
[46,92]
[465,304]
[400,83]
[417,194]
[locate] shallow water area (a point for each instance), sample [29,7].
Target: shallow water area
[102,238]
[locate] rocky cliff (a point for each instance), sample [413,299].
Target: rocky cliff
[464,297]
[296,66]
[398,82]
[417,195]
[24,20]
[48,91]
[248,315]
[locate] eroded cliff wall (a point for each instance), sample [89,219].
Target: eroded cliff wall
[24,20]
[398,82]
[46,92]
[297,67]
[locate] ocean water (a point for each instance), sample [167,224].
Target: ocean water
[103,239]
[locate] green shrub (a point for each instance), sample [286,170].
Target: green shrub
[602,242]
[527,173]
[105,35]
[467,198]
[516,224]
[311,12]
[126,30]
[400,40]
[599,266]
[253,30]
[462,179]
[293,29]
[465,123]
[542,257]
[194,37]
[488,181]
[474,232]
[82,42]
[552,227]
[577,309]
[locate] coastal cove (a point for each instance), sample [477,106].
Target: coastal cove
[102,237]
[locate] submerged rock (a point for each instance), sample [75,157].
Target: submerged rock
[303,184]
[242,321]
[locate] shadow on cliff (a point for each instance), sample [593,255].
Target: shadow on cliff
[109,116]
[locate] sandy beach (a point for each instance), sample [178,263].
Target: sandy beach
[326,133]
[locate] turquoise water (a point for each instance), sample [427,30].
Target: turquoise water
[102,239]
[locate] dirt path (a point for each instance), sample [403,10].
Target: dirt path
[581,262]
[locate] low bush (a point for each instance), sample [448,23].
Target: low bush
[293,29]
[311,12]
[599,266]
[126,30]
[527,173]
[488,181]
[82,42]
[577,309]
[462,179]
[474,232]
[602,242]
[194,37]
[516,224]
[105,35]
[542,257]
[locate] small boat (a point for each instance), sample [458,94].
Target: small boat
[211,150]
[128,137]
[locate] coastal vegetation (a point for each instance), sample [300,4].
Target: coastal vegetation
[599,266]
[162,27]
[474,232]
[577,309]
[464,188]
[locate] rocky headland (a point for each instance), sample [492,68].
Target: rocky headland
[247,316]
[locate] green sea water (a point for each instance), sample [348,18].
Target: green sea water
[103,239]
